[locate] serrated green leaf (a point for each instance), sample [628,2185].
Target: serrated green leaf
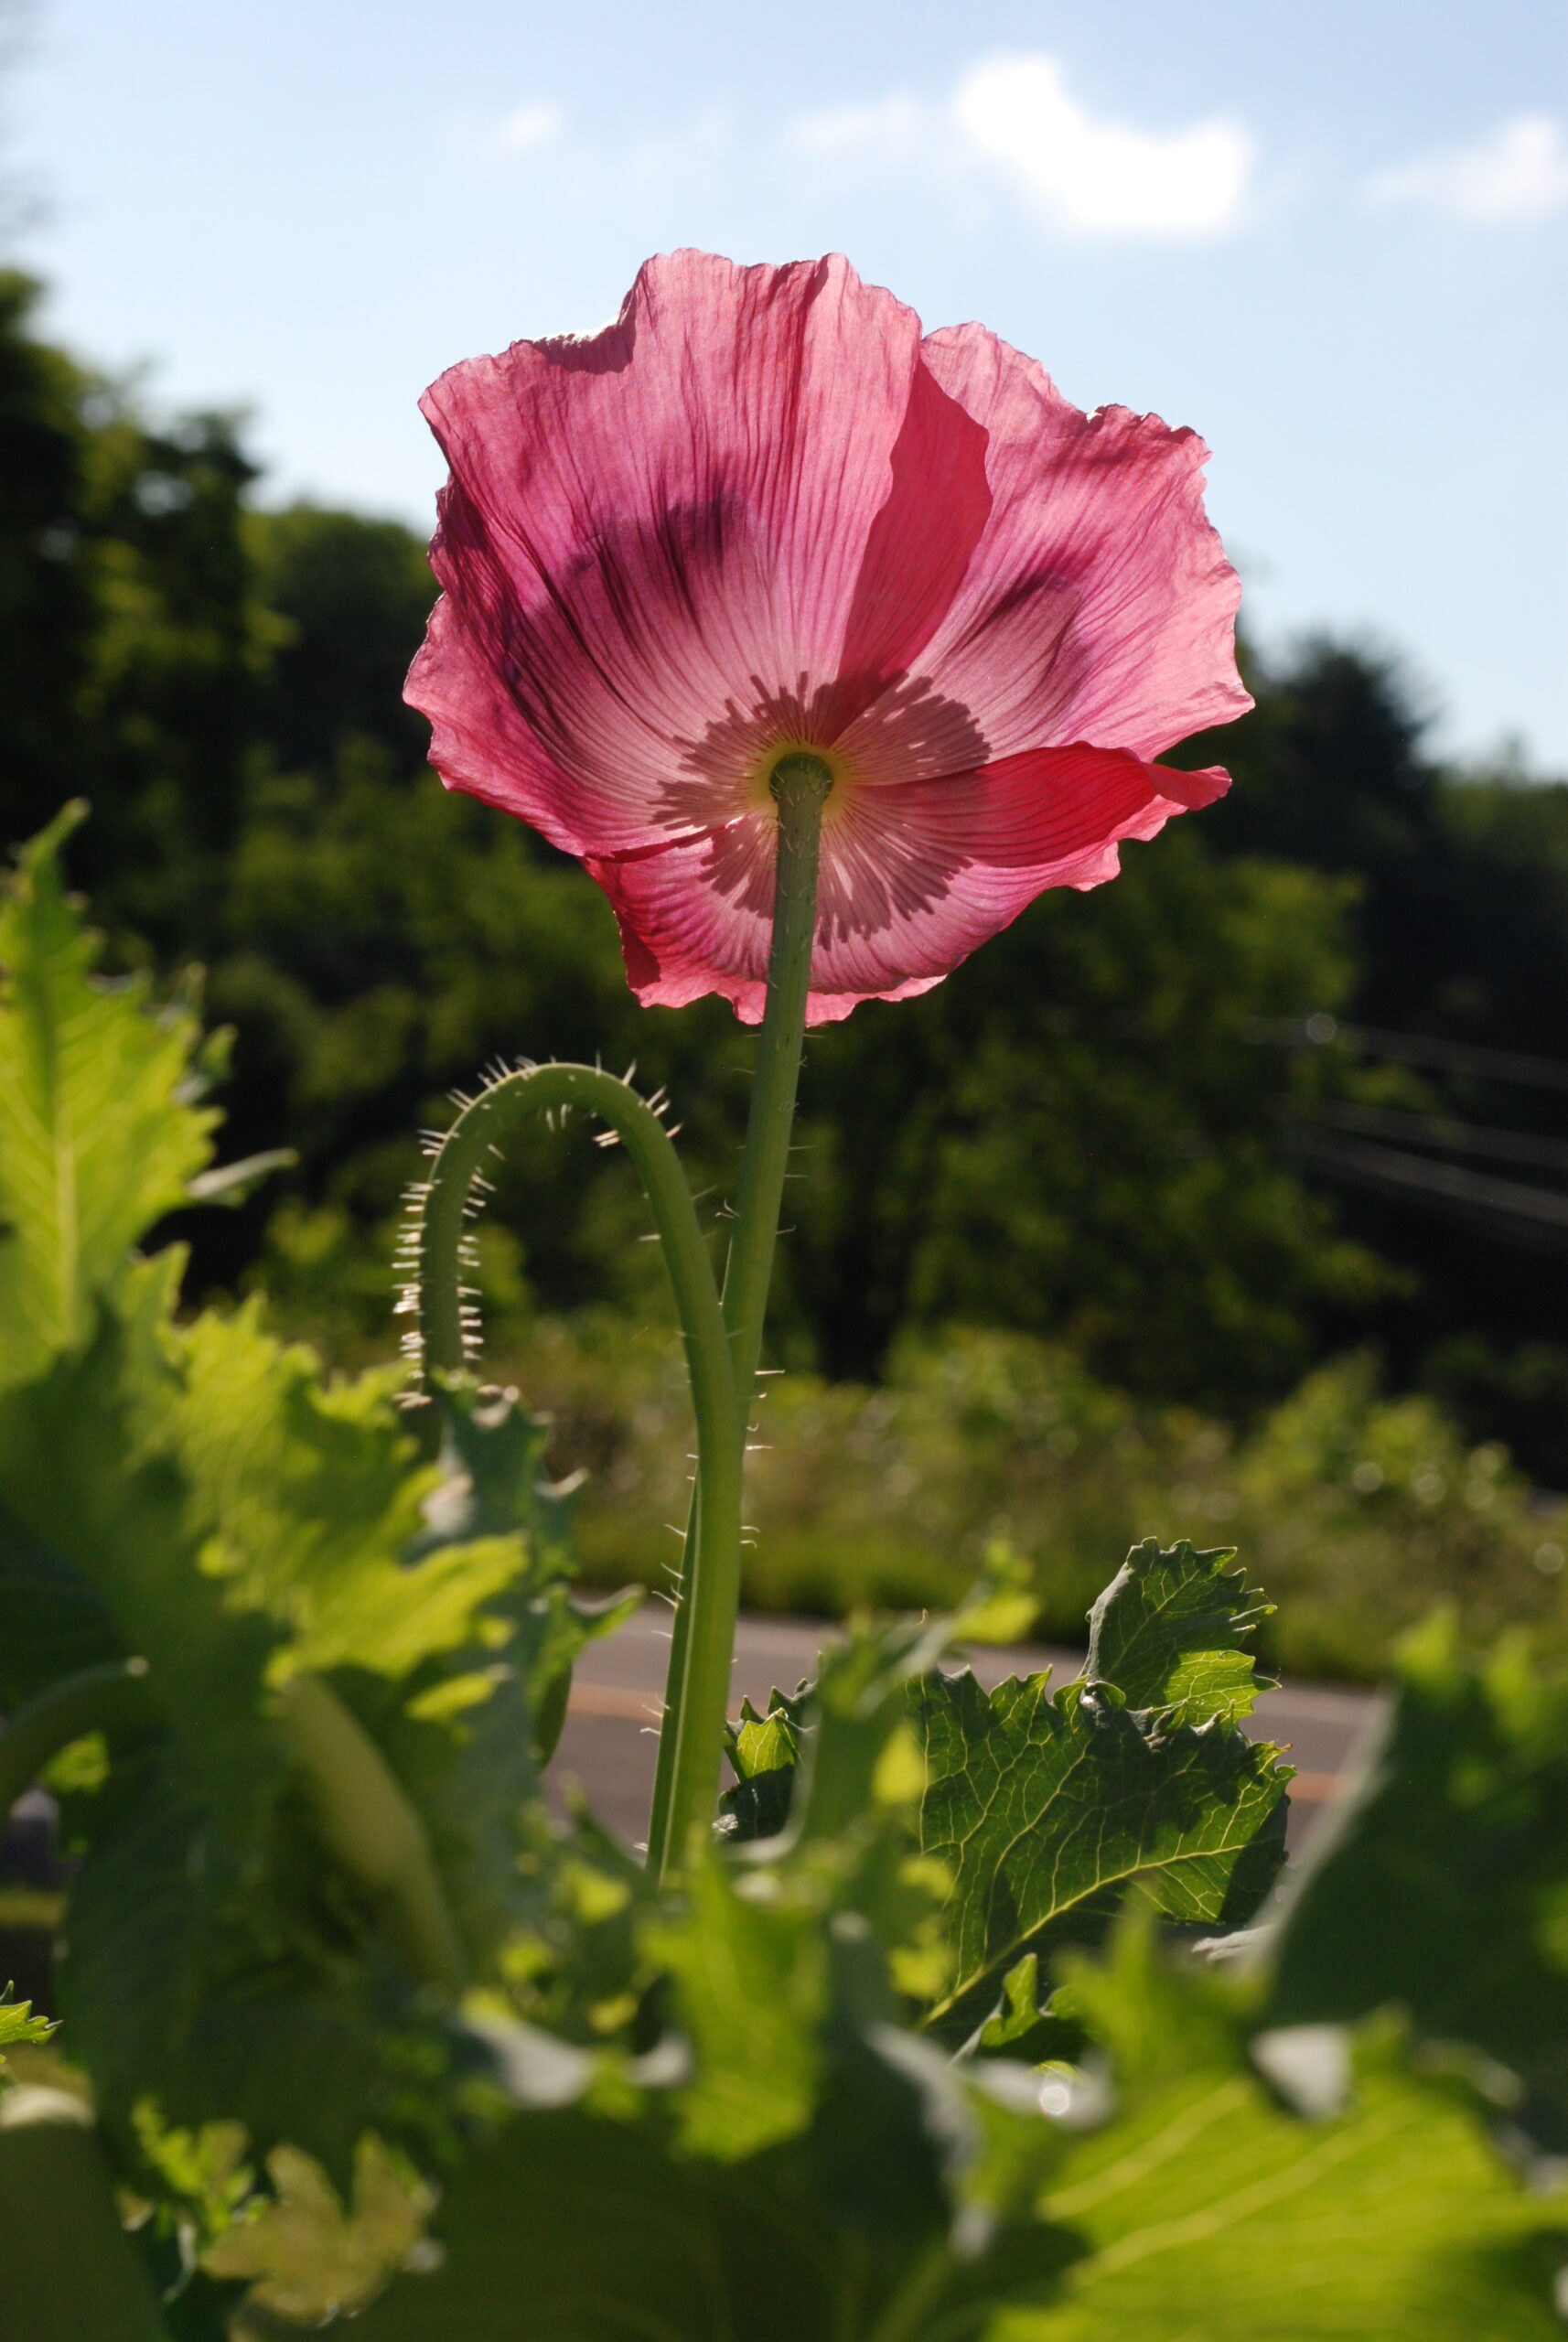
[317,1510]
[1169,1631]
[84,1474]
[493,1485]
[859,1703]
[1443,1886]
[309,1493]
[18,2027]
[96,1144]
[768,1742]
[1214,2211]
[276,2009]
[306,2257]
[214,1958]
[1021,2026]
[492,1454]
[764,1749]
[1047,1811]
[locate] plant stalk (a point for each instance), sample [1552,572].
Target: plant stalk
[368,1824]
[703,1645]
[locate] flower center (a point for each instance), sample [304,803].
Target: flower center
[818,776]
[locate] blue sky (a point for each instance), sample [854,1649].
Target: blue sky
[1334,239]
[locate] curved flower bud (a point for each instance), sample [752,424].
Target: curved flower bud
[761,514]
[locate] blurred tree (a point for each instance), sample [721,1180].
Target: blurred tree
[134,638]
[1461,929]
[1079,1134]
[1070,1136]
[48,611]
[353,596]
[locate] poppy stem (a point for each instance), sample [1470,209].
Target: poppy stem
[702,1650]
[692,1741]
[801,785]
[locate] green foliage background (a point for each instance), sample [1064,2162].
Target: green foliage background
[1072,1175]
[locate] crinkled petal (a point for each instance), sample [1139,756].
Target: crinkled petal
[1100,604]
[719,527]
[915,877]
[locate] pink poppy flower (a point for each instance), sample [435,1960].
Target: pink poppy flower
[761,512]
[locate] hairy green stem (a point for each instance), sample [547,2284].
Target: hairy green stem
[692,1742]
[94,1700]
[801,786]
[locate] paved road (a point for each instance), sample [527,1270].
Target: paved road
[609,1742]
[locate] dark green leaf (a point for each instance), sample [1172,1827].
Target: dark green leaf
[70,2273]
[85,1473]
[853,2230]
[1443,1886]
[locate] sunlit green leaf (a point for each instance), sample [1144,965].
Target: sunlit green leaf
[308,1492]
[1048,1807]
[95,1141]
[751,1981]
[1170,1630]
[18,2025]
[307,2257]
[1214,2210]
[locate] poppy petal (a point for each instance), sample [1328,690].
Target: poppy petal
[724,523]
[1100,604]
[915,877]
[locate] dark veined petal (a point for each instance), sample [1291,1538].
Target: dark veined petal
[759,513]
[915,877]
[734,515]
[1100,604]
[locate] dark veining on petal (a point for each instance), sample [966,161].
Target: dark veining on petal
[629,597]
[911,732]
[1031,628]
[735,745]
[874,875]
[914,733]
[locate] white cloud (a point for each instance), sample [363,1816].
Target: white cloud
[1516,177]
[1097,177]
[530,125]
[1014,115]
